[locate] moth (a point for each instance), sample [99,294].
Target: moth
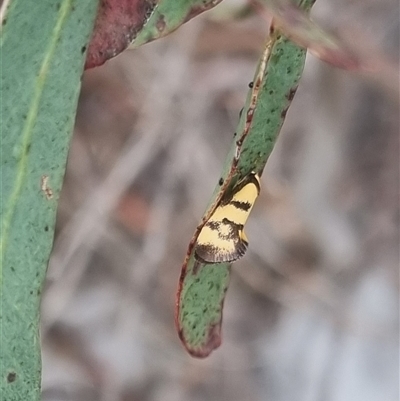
[222,238]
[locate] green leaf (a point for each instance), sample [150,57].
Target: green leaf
[168,15]
[202,288]
[296,24]
[200,303]
[43,51]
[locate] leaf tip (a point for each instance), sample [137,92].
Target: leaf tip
[212,342]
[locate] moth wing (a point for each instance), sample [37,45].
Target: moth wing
[225,251]
[240,247]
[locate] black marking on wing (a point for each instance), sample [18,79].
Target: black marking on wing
[232,224]
[213,225]
[241,249]
[233,232]
[251,178]
[210,254]
[234,229]
[241,205]
[206,253]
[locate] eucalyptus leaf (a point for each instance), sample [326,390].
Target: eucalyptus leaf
[43,52]
[202,287]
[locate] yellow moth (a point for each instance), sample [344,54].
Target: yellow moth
[222,238]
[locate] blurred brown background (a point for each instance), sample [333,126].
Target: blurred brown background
[312,312]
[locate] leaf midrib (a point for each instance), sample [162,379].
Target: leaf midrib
[32,114]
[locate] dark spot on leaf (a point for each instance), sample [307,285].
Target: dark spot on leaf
[4,21]
[12,268]
[83,49]
[291,94]
[148,11]
[46,228]
[11,377]
[271,92]
[221,181]
[161,24]
[288,70]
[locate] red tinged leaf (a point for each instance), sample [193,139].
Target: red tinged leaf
[199,305]
[298,27]
[117,24]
